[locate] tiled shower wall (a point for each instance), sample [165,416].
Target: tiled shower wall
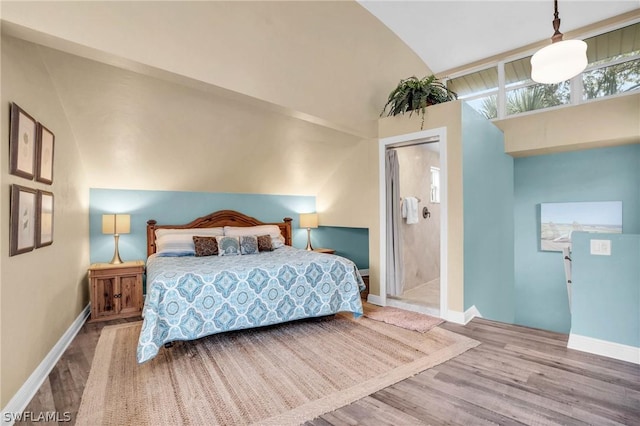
[421,241]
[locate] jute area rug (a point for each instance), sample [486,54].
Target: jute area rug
[401,318]
[279,375]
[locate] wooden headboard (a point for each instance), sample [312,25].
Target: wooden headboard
[214,220]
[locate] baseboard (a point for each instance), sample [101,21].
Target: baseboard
[412,307]
[375,299]
[604,348]
[463,317]
[451,316]
[364,272]
[19,402]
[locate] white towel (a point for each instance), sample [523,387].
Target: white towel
[410,210]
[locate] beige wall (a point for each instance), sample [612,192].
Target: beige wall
[596,124]
[254,97]
[4,214]
[349,197]
[448,115]
[332,60]
[141,132]
[254,66]
[43,291]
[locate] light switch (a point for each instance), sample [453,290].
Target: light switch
[601,247]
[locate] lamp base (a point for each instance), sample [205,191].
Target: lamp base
[116,256]
[309,248]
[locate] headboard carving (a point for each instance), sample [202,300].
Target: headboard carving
[213,220]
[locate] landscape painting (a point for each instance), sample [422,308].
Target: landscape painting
[559,220]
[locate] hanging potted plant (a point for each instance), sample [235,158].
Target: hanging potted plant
[414,94]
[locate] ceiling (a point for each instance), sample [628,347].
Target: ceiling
[450,34]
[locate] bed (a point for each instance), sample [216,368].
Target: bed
[189,296]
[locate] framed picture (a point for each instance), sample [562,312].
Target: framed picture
[23,220]
[559,220]
[22,143]
[44,155]
[44,219]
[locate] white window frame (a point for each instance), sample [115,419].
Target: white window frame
[580,92]
[576,90]
[434,193]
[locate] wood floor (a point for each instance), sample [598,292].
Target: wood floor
[516,376]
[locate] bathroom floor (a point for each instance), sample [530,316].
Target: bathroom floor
[427,294]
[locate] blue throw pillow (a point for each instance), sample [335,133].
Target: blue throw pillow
[228,246]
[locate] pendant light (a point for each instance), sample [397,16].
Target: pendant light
[561,60]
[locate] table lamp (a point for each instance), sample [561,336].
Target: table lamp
[116,224]
[309,220]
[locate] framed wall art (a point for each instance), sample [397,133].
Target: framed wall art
[559,220]
[22,143]
[44,219]
[23,220]
[44,154]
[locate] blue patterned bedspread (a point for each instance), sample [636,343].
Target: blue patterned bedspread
[191,297]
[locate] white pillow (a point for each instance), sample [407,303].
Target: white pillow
[277,240]
[199,232]
[179,242]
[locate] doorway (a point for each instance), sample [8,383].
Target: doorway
[413,222]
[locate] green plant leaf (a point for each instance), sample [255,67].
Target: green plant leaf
[414,94]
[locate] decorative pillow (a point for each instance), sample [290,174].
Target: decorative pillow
[264,243]
[179,242]
[205,246]
[249,244]
[277,240]
[228,246]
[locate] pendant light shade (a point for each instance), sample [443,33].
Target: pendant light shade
[561,60]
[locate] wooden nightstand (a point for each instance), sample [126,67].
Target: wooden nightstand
[115,290]
[325,250]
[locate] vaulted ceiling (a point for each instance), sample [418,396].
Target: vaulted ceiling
[331,63]
[449,34]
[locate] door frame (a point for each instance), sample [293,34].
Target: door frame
[424,135]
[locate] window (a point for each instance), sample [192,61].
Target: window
[523,94]
[486,105]
[507,89]
[611,80]
[614,63]
[435,185]
[479,89]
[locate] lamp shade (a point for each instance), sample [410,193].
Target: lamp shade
[309,220]
[559,61]
[116,223]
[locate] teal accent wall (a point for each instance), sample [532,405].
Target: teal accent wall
[177,207]
[488,218]
[352,243]
[606,174]
[606,289]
